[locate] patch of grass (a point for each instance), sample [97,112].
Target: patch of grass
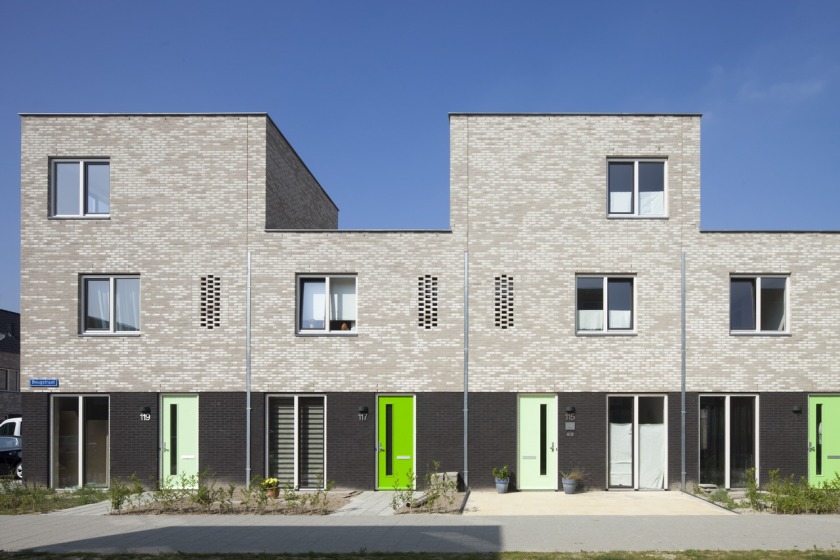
[19,498]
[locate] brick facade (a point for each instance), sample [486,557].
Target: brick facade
[192,195]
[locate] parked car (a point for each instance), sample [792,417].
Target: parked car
[11,427]
[11,456]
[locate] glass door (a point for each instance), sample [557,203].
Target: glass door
[80,441]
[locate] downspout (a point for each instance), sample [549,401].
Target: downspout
[248,374]
[682,384]
[466,363]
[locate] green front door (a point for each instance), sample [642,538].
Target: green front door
[395,442]
[823,438]
[537,465]
[179,452]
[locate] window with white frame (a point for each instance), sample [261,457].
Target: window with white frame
[636,188]
[758,304]
[604,304]
[80,188]
[110,304]
[326,304]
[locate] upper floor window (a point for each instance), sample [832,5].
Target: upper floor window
[110,304]
[758,304]
[605,304]
[80,188]
[326,304]
[636,188]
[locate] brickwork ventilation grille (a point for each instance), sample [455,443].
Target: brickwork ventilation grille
[211,302]
[504,301]
[427,301]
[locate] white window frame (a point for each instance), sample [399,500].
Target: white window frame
[296,448]
[636,454]
[605,330]
[326,330]
[635,213]
[83,163]
[53,477]
[112,304]
[727,466]
[757,310]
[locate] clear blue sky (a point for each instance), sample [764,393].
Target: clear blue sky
[362,89]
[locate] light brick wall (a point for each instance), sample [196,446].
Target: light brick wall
[190,194]
[179,192]
[807,359]
[535,187]
[390,351]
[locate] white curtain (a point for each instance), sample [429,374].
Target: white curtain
[621,454]
[314,304]
[652,456]
[128,304]
[591,320]
[621,202]
[652,203]
[343,299]
[620,319]
[97,296]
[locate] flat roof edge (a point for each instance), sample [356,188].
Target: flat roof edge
[448,231]
[801,231]
[490,114]
[221,114]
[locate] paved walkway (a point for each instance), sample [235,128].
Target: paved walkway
[90,531]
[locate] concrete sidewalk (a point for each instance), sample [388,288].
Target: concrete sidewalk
[91,531]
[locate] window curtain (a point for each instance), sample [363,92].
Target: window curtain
[98,183]
[67,189]
[620,303]
[343,299]
[128,304]
[97,300]
[621,187]
[313,304]
[590,304]
[651,188]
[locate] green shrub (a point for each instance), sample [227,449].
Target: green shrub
[789,495]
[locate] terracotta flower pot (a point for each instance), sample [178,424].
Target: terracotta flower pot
[273,492]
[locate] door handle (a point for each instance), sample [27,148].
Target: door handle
[552,446]
[811,447]
[379,447]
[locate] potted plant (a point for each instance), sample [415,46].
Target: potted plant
[572,478]
[271,486]
[502,476]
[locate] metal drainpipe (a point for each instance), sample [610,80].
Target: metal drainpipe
[682,385]
[466,364]
[248,374]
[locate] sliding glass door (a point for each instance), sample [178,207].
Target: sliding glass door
[80,441]
[728,439]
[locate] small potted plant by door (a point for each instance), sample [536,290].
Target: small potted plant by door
[271,487]
[502,476]
[572,479]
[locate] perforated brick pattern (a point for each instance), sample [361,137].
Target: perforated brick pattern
[504,301]
[211,302]
[427,301]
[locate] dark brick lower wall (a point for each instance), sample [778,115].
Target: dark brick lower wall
[783,435]
[10,404]
[134,442]
[492,436]
[221,436]
[440,433]
[351,455]
[35,430]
